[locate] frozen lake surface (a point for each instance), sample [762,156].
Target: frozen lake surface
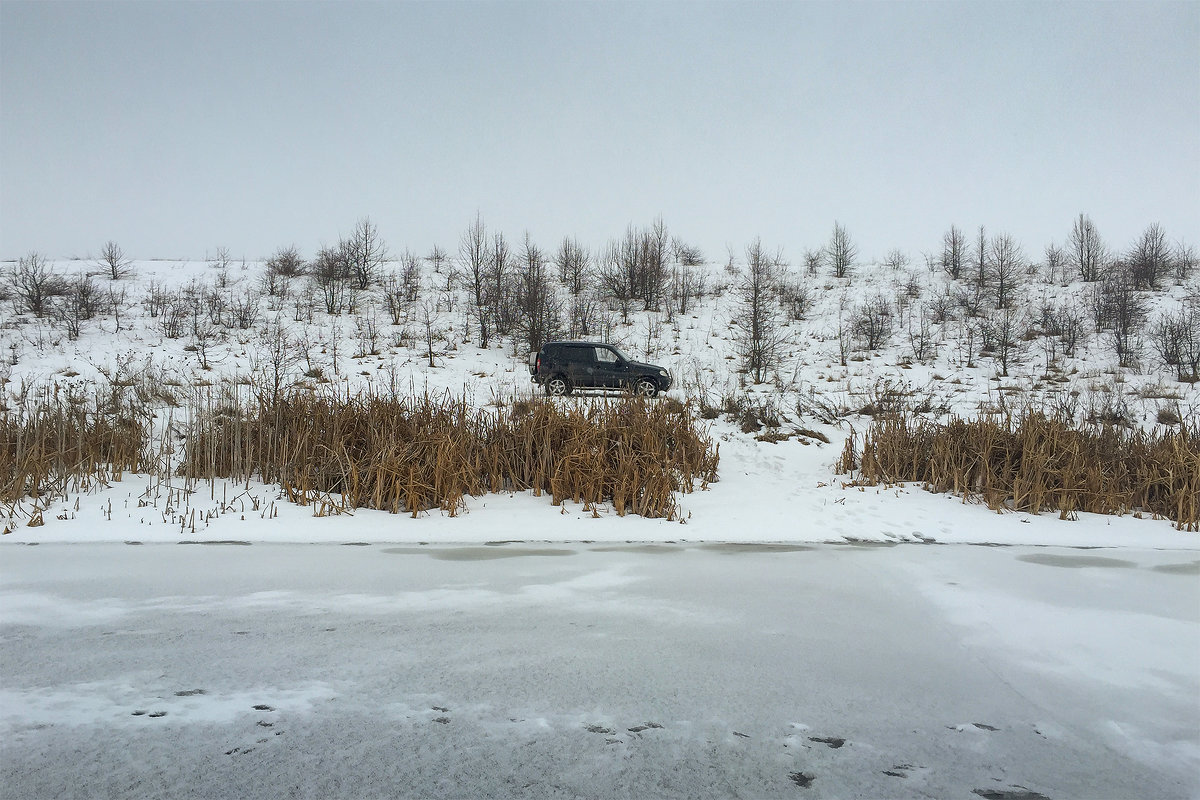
[598,670]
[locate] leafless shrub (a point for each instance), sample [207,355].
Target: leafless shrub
[156,299]
[941,307]
[410,276]
[281,269]
[1175,339]
[795,297]
[366,328]
[872,323]
[922,340]
[1004,335]
[243,310]
[32,282]
[81,300]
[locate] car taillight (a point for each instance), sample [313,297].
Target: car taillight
[537,367]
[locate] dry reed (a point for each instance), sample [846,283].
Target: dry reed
[1032,462]
[416,454]
[60,439]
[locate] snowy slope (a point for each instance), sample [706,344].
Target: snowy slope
[783,491]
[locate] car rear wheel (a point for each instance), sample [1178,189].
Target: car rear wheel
[557,386]
[645,388]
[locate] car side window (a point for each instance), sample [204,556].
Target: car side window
[581,355]
[605,356]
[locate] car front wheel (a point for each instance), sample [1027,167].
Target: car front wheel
[645,388]
[557,386]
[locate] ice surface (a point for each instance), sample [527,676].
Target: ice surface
[911,670]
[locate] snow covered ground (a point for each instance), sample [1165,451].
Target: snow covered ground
[601,670]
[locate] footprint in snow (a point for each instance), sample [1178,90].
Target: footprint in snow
[833,742]
[802,779]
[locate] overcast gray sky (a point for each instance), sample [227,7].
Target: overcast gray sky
[177,127]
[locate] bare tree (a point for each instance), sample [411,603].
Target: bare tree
[760,337]
[1176,341]
[366,328]
[574,263]
[981,259]
[204,337]
[113,259]
[283,265]
[473,252]
[687,283]
[582,315]
[276,357]
[1070,325]
[1184,260]
[395,299]
[685,254]
[614,282]
[1124,313]
[954,252]
[32,282]
[221,261]
[410,276]
[366,253]
[440,263]
[539,310]
[429,319]
[655,244]
[243,310]
[872,323]
[895,259]
[1087,251]
[501,298]
[287,262]
[921,337]
[841,251]
[81,300]
[641,254]
[1003,331]
[328,274]
[1150,258]
[115,299]
[812,262]
[1006,265]
[1056,263]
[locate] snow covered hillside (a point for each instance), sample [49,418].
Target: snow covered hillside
[181,335]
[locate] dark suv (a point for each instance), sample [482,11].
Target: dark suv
[561,367]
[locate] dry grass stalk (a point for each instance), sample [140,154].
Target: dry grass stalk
[1032,462]
[422,453]
[60,440]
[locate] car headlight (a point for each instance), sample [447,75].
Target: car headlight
[664,373]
